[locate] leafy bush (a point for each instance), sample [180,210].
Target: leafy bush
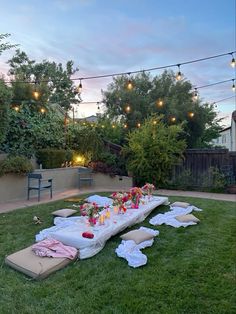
[183,181]
[53,158]
[34,129]
[108,158]
[213,180]
[99,166]
[15,164]
[153,150]
[5,98]
[210,181]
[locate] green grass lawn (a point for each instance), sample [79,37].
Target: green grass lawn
[189,270]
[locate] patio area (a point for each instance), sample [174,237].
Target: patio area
[10,206]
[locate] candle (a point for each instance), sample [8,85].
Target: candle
[116,209]
[108,214]
[101,219]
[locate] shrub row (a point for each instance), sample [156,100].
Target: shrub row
[15,164]
[53,158]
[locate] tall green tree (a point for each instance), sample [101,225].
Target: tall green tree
[50,79]
[5,100]
[5,45]
[152,150]
[163,95]
[30,130]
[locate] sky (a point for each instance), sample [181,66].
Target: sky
[113,36]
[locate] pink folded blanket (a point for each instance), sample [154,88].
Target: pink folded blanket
[54,248]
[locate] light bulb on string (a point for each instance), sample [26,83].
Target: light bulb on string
[138,125]
[160,103]
[232,63]
[173,119]
[16,108]
[233,86]
[79,88]
[127,108]
[36,93]
[98,105]
[125,126]
[42,110]
[191,114]
[129,84]
[195,94]
[179,74]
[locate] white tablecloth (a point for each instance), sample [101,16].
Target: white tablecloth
[72,234]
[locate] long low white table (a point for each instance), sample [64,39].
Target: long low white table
[69,230]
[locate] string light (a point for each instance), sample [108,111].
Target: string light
[179,74]
[79,88]
[125,126]
[137,71]
[42,110]
[195,95]
[227,98]
[160,103]
[216,83]
[138,125]
[191,114]
[129,84]
[233,86]
[16,108]
[173,119]
[98,105]
[36,92]
[232,63]
[127,109]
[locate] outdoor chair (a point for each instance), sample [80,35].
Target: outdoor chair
[36,183]
[85,176]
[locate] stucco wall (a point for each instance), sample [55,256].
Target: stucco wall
[14,187]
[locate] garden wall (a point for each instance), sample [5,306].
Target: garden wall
[13,187]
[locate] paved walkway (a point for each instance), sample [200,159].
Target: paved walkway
[7,207]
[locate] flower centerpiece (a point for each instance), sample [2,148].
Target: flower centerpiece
[136,194]
[119,200]
[91,211]
[148,189]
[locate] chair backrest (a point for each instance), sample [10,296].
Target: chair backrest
[34,176]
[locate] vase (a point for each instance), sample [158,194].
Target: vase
[135,203]
[149,196]
[122,209]
[92,221]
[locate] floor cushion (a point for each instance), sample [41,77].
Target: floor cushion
[137,236]
[65,212]
[187,218]
[27,262]
[180,204]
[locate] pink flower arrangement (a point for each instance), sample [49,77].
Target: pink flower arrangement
[90,210]
[120,198]
[135,191]
[136,194]
[148,188]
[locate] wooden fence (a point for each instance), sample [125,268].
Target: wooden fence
[197,163]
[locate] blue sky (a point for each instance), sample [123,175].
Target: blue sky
[109,36]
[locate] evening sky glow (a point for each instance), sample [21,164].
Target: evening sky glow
[110,36]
